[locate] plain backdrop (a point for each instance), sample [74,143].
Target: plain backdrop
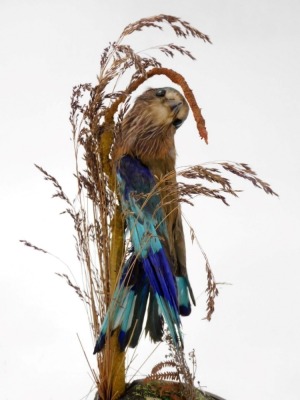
[247,84]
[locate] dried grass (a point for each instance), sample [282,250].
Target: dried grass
[175,369]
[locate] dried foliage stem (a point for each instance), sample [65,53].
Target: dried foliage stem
[116,255]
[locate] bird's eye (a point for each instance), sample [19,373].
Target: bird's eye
[160,92]
[177,122]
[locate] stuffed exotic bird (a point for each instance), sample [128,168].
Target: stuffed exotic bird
[155,271]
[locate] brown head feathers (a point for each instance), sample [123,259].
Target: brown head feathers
[148,129]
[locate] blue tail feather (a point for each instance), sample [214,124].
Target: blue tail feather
[127,309]
[184,293]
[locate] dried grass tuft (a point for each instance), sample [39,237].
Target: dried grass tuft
[174,374]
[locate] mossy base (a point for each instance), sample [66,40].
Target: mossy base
[165,390]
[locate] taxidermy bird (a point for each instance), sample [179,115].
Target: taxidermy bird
[155,271]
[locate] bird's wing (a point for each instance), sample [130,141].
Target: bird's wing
[144,214]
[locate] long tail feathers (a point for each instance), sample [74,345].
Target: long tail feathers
[155,322]
[146,280]
[161,279]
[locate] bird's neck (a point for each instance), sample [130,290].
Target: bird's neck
[161,156]
[160,166]
[158,154]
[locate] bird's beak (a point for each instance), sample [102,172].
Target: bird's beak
[175,105]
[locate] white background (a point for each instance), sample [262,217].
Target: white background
[247,84]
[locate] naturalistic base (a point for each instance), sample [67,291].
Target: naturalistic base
[164,390]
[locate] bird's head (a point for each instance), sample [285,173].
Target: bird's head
[166,106]
[149,126]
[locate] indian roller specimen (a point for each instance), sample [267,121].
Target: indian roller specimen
[154,273]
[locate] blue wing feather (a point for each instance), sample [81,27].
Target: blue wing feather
[149,267]
[145,217]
